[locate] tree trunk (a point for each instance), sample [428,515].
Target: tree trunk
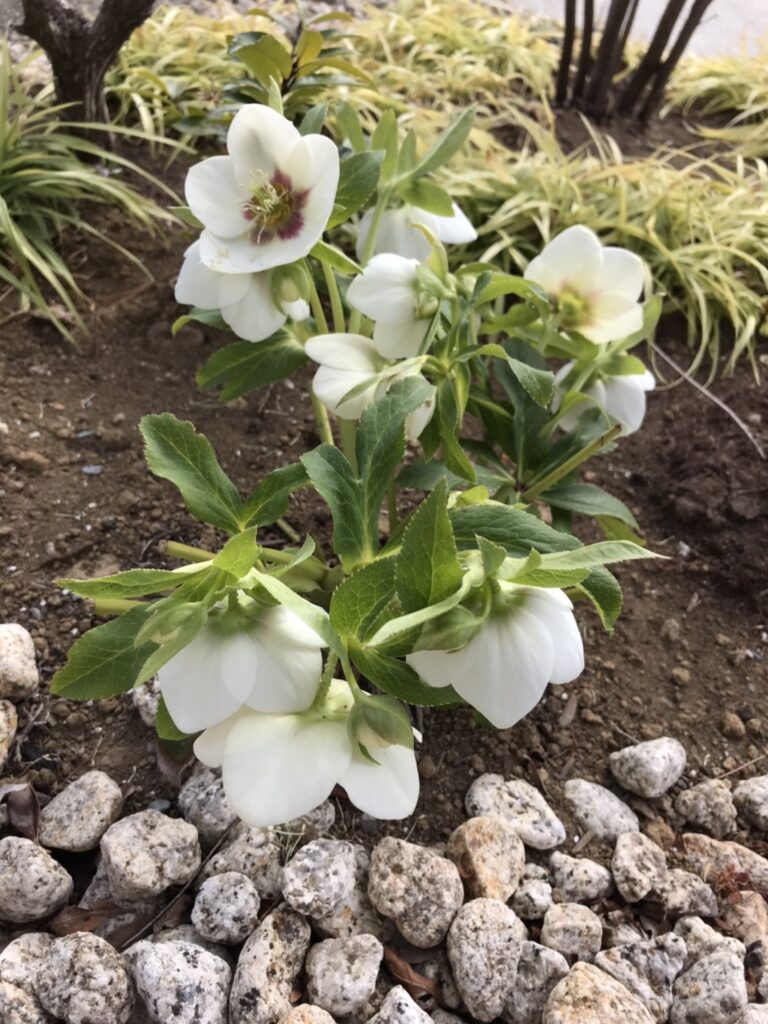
[81,51]
[652,59]
[585,58]
[697,12]
[566,53]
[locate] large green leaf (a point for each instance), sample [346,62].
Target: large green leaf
[446,145]
[358,602]
[132,583]
[602,588]
[513,529]
[428,567]
[269,499]
[335,480]
[175,451]
[589,501]
[238,554]
[246,366]
[358,178]
[398,679]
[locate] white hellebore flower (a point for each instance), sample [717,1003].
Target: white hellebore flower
[268,662]
[353,374]
[268,201]
[530,639]
[397,232]
[279,767]
[621,396]
[388,292]
[246,301]
[595,288]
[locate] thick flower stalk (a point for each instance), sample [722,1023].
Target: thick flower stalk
[595,289]
[398,232]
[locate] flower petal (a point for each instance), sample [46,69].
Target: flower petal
[250,311]
[343,352]
[313,165]
[417,421]
[399,341]
[555,611]
[625,400]
[395,234]
[279,767]
[290,662]
[196,284]
[259,140]
[387,790]
[613,318]
[454,230]
[215,197]
[209,745]
[386,289]
[622,273]
[573,259]
[333,388]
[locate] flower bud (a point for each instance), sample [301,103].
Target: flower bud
[377,722]
[289,284]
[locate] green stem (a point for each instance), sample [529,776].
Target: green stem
[337,309]
[186,552]
[311,567]
[348,435]
[349,675]
[542,485]
[322,422]
[113,605]
[317,308]
[325,679]
[356,318]
[288,530]
[392,504]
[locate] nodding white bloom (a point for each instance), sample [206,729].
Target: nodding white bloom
[268,201]
[352,375]
[246,301]
[397,231]
[278,767]
[389,291]
[268,661]
[622,396]
[595,288]
[529,640]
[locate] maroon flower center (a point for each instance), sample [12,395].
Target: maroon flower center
[274,209]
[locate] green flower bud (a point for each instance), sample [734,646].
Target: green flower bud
[289,284]
[379,721]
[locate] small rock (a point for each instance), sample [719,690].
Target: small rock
[684,893]
[661,833]
[732,726]
[78,816]
[416,888]
[709,857]
[226,908]
[32,884]
[356,915]
[147,852]
[204,804]
[307,1014]
[438,969]
[189,934]
[649,769]
[578,879]
[312,825]
[19,963]
[83,980]
[399,1008]
[267,969]
[146,699]
[572,930]
[484,946]
[647,970]
[701,940]
[180,982]
[620,930]
[538,971]
[708,806]
[341,973]
[587,995]
[745,915]
[713,991]
[19,1007]
[19,677]
[440,1016]
[751,800]
[9,720]
[599,811]
[753,1015]
[490,857]
[532,899]
[638,866]
[521,805]
[319,877]
[253,852]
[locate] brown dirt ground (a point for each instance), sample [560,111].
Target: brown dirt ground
[75,498]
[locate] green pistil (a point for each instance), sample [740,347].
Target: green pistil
[572,308]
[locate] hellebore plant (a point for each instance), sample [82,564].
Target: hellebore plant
[293,669]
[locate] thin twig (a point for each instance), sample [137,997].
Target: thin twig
[741,767]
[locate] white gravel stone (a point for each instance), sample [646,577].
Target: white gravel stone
[647,969]
[82,979]
[254,852]
[19,1007]
[620,931]
[751,799]
[32,884]
[189,934]
[267,969]
[754,1014]
[708,806]
[20,960]
[685,893]
[147,852]
[539,969]
[416,888]
[587,995]
[180,982]
[484,946]
[306,1014]
[145,699]
[489,855]
[342,973]
[532,899]
[708,857]
[638,866]
[312,825]
[701,940]
[319,877]
[440,1016]
[572,930]
[19,677]
[578,879]
[521,805]
[713,991]
[355,915]
[649,769]
[438,969]
[226,908]
[80,814]
[127,916]
[599,811]
[399,1008]
[204,804]
[9,721]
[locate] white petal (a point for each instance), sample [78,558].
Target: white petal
[215,197]
[343,352]
[612,317]
[290,662]
[196,284]
[386,290]
[332,387]
[259,139]
[252,315]
[625,401]
[314,165]
[455,230]
[400,341]
[209,745]
[396,234]
[574,259]
[297,310]
[555,611]
[278,767]
[387,790]
[418,419]
[622,273]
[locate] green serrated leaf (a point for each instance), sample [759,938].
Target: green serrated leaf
[132,583]
[209,317]
[269,499]
[238,554]
[360,600]
[427,196]
[428,567]
[334,479]
[446,145]
[246,366]
[314,119]
[539,384]
[516,531]
[398,679]
[335,258]
[384,139]
[348,123]
[358,178]
[602,588]
[588,500]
